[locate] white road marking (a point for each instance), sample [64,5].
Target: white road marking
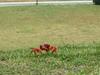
[2,4]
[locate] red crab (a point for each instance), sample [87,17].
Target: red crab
[44,47]
[36,50]
[48,47]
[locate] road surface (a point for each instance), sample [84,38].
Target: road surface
[3,4]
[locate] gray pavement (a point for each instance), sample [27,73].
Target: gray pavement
[3,4]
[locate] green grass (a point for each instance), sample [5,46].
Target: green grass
[74,29]
[69,60]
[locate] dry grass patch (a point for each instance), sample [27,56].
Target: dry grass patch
[30,26]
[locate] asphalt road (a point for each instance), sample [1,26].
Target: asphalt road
[3,4]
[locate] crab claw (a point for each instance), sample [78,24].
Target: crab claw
[36,50]
[53,49]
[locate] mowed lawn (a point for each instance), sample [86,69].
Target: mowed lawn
[74,29]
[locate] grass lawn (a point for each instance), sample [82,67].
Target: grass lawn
[74,29]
